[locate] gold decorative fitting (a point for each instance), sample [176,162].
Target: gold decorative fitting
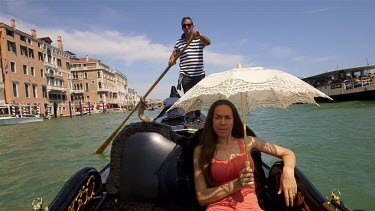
[37,205]
[85,194]
[335,197]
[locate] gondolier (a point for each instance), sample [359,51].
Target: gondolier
[191,61]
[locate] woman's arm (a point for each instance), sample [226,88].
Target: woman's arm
[206,195]
[288,183]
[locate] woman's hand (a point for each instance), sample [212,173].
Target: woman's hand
[246,177]
[288,185]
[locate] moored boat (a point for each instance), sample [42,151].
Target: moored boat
[9,117]
[356,83]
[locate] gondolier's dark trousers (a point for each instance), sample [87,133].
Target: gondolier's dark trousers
[187,83]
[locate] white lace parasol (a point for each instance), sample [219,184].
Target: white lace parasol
[261,87]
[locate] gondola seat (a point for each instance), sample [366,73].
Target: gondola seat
[151,169]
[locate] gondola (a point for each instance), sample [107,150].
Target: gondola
[151,168]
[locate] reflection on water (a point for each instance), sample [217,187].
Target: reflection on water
[334,144]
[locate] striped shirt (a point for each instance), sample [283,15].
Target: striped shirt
[191,61]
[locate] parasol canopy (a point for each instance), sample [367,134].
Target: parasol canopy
[260,87]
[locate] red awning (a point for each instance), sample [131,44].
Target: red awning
[101,105]
[84,106]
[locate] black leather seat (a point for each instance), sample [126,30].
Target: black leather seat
[151,169]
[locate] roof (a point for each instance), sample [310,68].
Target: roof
[347,70]
[46,39]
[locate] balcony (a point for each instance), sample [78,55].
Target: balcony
[103,90]
[56,88]
[77,91]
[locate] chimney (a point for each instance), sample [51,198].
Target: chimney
[13,23]
[33,33]
[59,43]
[87,58]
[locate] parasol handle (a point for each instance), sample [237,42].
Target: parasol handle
[244,131]
[109,139]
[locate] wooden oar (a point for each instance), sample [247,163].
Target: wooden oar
[109,139]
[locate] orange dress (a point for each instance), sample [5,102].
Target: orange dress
[223,171]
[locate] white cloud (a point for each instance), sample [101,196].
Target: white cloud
[316,11]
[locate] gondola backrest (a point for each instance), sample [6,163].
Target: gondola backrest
[146,163]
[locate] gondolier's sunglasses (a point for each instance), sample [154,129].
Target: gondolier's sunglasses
[187,25]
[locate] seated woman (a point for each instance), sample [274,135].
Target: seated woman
[222,180]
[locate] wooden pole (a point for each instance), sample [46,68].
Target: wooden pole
[109,139]
[244,126]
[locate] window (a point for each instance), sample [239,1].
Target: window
[40,56]
[98,74]
[29,41]
[12,67]
[12,46]
[100,85]
[59,62]
[10,33]
[35,91]
[27,87]
[44,91]
[31,53]
[49,56]
[32,71]
[24,67]
[22,38]
[85,74]
[87,86]
[41,73]
[23,50]
[15,88]
[68,66]
[39,45]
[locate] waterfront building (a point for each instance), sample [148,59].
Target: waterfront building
[96,84]
[133,99]
[34,73]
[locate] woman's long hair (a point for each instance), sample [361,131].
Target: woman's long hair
[208,139]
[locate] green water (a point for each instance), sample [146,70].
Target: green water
[334,144]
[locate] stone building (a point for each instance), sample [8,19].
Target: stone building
[35,74]
[95,84]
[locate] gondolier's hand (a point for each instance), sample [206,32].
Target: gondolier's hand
[171,59]
[197,34]
[288,185]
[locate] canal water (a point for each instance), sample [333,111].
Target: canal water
[334,144]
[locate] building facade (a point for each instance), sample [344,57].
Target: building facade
[96,85]
[25,86]
[39,78]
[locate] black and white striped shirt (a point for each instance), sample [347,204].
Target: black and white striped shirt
[191,61]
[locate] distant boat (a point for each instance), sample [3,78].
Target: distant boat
[356,83]
[6,118]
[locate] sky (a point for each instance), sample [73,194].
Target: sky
[136,37]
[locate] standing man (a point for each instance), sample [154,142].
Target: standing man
[191,61]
